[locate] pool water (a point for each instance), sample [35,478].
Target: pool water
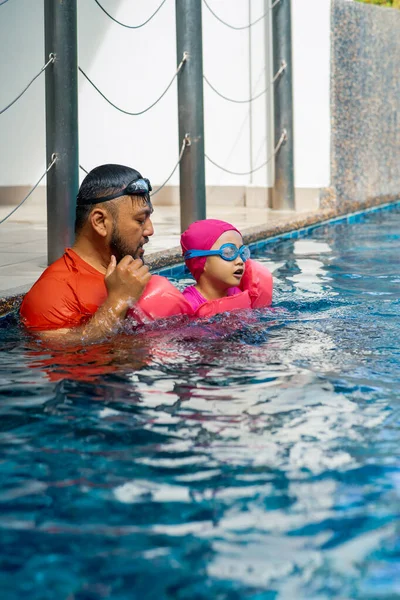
[253,455]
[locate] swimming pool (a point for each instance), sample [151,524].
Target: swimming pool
[254,455]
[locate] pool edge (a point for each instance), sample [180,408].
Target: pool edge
[169,262]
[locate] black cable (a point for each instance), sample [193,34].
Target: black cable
[235,172]
[282,139]
[186,142]
[278,74]
[124,24]
[51,59]
[232,99]
[32,190]
[127,112]
[232,26]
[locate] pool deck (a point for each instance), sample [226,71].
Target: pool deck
[23,237]
[23,240]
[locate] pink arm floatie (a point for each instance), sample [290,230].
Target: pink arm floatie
[227,304]
[160,299]
[257,279]
[257,292]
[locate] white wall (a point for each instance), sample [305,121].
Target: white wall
[226,65]
[311,90]
[22,145]
[132,67]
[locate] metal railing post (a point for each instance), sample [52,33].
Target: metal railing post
[190,111]
[61,123]
[250,95]
[283,192]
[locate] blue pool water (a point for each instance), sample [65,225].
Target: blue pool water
[254,455]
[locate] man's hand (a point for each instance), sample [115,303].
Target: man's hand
[126,281]
[125,284]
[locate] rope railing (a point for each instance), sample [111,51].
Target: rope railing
[186,142]
[124,24]
[136,114]
[52,58]
[278,74]
[233,26]
[282,68]
[281,141]
[53,161]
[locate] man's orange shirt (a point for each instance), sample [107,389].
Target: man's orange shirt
[66,295]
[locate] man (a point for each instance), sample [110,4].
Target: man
[84,295]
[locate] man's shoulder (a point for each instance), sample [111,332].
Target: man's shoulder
[57,270]
[68,269]
[44,305]
[63,295]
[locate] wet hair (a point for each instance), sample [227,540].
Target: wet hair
[100,182]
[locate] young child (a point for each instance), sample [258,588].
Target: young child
[219,261]
[226,278]
[216,257]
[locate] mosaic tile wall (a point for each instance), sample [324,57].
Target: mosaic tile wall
[365,96]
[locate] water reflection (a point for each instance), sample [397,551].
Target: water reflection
[250,455]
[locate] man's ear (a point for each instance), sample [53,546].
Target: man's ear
[101,221]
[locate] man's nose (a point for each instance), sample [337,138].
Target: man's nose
[149,229]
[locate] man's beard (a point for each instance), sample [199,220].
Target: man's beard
[119,248]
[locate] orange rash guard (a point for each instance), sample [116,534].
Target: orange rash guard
[66,295]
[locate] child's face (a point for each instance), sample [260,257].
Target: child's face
[224,273]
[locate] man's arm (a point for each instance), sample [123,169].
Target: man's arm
[125,283]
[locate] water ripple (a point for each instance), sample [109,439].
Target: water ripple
[251,455]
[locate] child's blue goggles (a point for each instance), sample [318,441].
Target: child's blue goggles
[227,252]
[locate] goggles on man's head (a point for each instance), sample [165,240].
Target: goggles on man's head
[227,252]
[137,187]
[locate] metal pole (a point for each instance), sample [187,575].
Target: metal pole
[61,123]
[283,192]
[190,111]
[250,95]
[269,116]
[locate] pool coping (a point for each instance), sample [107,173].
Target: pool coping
[169,263]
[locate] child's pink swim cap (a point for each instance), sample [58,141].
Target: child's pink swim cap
[202,235]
